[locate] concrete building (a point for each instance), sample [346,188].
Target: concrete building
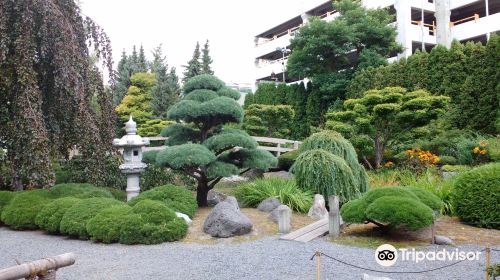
[420,24]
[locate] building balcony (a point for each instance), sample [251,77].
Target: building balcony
[266,46]
[265,68]
[475,26]
[460,3]
[427,34]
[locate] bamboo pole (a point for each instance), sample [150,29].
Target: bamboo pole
[45,267]
[488,258]
[318,265]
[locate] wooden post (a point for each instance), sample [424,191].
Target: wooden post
[318,265]
[278,153]
[488,258]
[433,230]
[295,145]
[333,216]
[45,268]
[284,218]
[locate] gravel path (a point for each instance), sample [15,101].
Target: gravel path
[267,258]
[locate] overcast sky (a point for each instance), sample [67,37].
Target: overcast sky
[229,25]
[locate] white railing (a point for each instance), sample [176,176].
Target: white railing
[279,146]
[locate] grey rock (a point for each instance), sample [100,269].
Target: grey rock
[443,240]
[226,220]
[214,197]
[233,201]
[254,174]
[318,209]
[274,215]
[268,204]
[279,174]
[185,217]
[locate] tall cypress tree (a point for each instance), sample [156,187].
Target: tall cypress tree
[206,60]
[193,67]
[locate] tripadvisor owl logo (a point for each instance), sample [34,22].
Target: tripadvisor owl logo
[386,255]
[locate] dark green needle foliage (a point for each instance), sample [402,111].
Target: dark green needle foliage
[49,219]
[200,146]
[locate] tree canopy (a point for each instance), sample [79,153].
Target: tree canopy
[194,66]
[48,80]
[200,145]
[268,120]
[206,60]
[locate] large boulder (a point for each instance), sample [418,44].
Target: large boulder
[226,220]
[318,209]
[274,215]
[214,197]
[253,174]
[443,240]
[268,204]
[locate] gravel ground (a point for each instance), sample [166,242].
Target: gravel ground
[267,258]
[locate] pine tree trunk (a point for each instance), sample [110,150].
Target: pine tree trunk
[379,152]
[202,193]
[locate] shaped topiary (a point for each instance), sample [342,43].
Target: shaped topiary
[75,219]
[79,191]
[176,198]
[50,216]
[391,207]
[21,212]
[106,225]
[476,196]
[151,222]
[327,174]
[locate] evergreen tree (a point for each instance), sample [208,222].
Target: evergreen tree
[142,63]
[193,67]
[166,91]
[159,62]
[206,60]
[122,79]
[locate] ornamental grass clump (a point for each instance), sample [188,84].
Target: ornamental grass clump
[286,191]
[476,196]
[50,216]
[322,172]
[393,207]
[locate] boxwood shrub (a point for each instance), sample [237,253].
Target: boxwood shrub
[176,198]
[391,207]
[21,212]
[106,225]
[75,219]
[5,198]
[79,191]
[476,196]
[49,218]
[151,222]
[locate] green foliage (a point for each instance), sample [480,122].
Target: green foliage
[286,191]
[467,73]
[151,222]
[78,191]
[5,198]
[447,160]
[392,207]
[205,81]
[206,60]
[380,115]
[268,120]
[494,148]
[50,216]
[322,172]
[476,196]
[176,198]
[193,67]
[106,225]
[286,160]
[337,145]
[230,138]
[185,156]
[152,127]
[21,212]
[75,219]
[167,90]
[229,92]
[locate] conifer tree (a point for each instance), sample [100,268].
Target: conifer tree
[166,91]
[142,63]
[193,67]
[206,60]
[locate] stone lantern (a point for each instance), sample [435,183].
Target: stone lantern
[132,144]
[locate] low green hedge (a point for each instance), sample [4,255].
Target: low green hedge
[286,160]
[5,198]
[392,207]
[151,222]
[79,191]
[21,211]
[49,218]
[176,198]
[286,191]
[75,219]
[106,225]
[476,196]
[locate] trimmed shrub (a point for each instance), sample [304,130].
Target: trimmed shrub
[397,211]
[286,160]
[5,198]
[176,198]
[203,82]
[79,191]
[336,144]
[49,218]
[476,196]
[21,212]
[106,225]
[151,222]
[448,160]
[75,219]
[392,207]
[324,173]
[286,191]
[120,195]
